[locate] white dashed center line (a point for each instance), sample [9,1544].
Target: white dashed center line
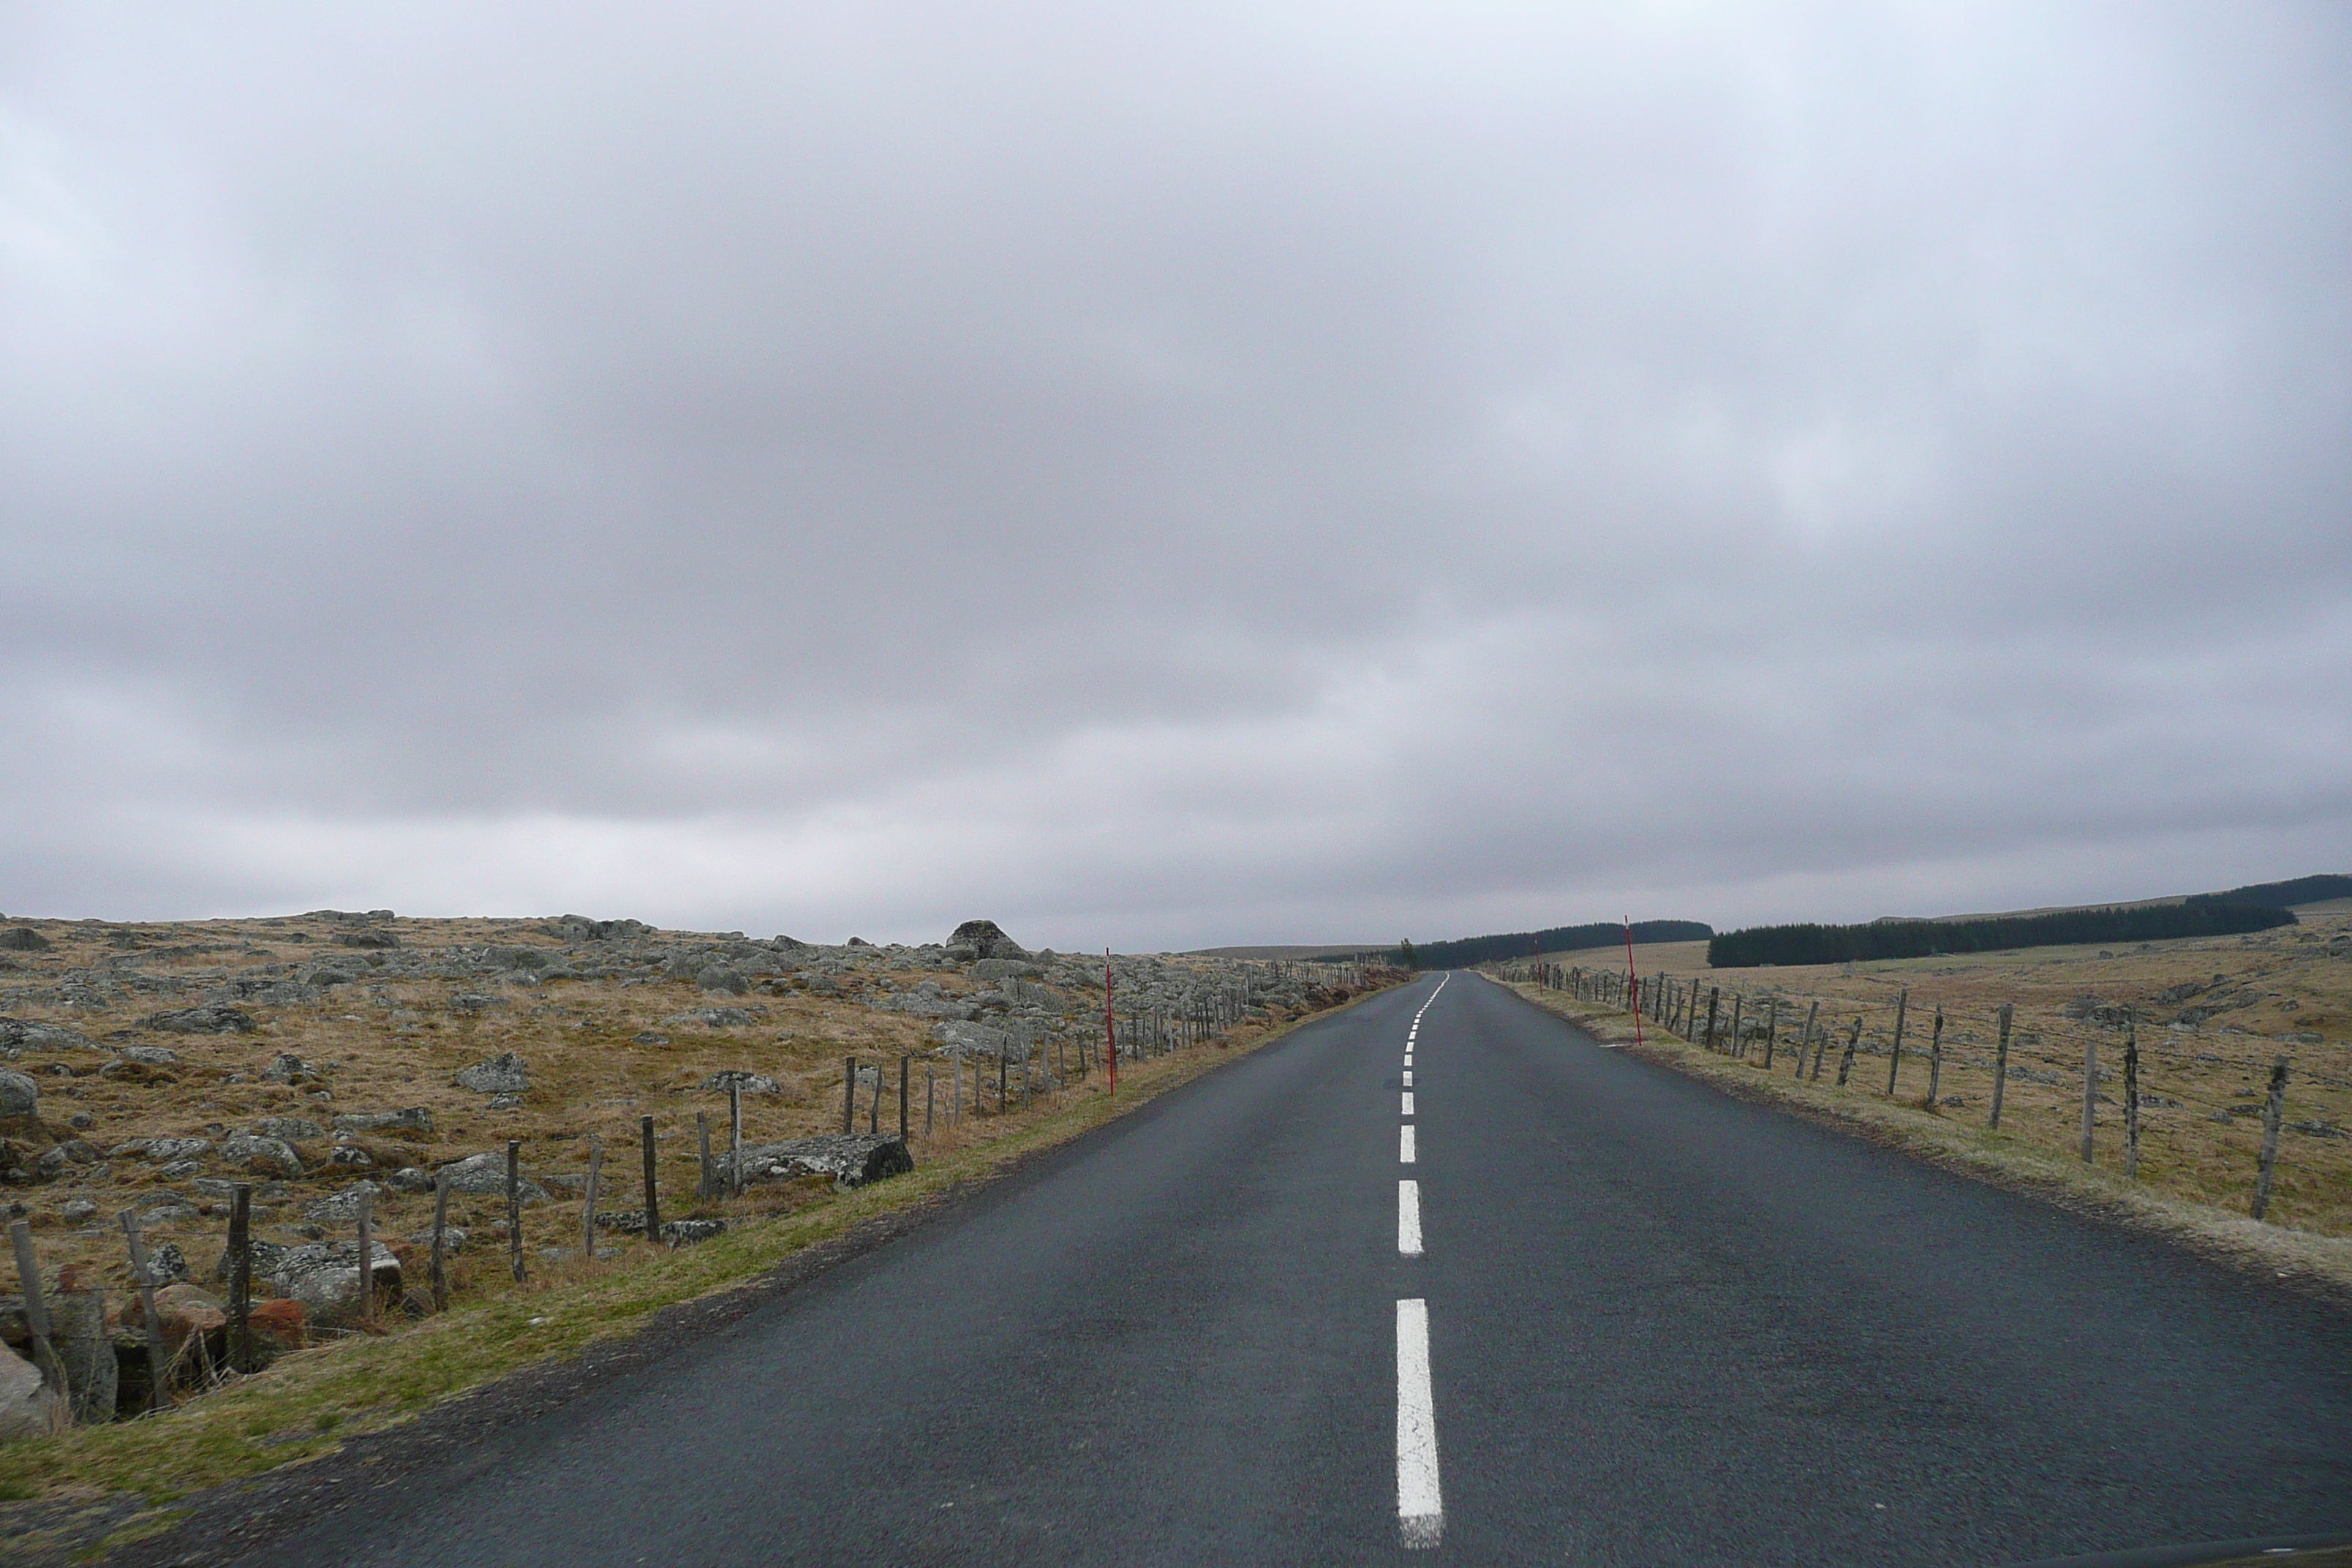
[1404,1146]
[1408,1102]
[1421,1512]
[1408,1078]
[1409,1218]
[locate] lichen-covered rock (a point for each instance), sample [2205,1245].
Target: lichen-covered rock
[987,940]
[28,1408]
[735,1078]
[502,1074]
[19,1095]
[78,1329]
[212,1018]
[707,1018]
[851,1159]
[414,1119]
[291,1129]
[32,1034]
[342,1206]
[477,1175]
[181,1311]
[324,1277]
[266,1156]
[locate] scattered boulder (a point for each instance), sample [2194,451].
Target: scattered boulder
[851,1159]
[212,1018]
[410,1179]
[166,1264]
[707,1018]
[19,1095]
[262,1155]
[966,1040]
[414,1119]
[161,1150]
[376,939]
[33,1035]
[324,1278]
[686,1232]
[21,938]
[292,1129]
[285,1068]
[78,1211]
[472,1001]
[343,1206]
[735,1078]
[27,1407]
[647,1037]
[151,1056]
[502,1074]
[720,977]
[181,1311]
[351,1158]
[987,940]
[1006,969]
[479,1174]
[78,1329]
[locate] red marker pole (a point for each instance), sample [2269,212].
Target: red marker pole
[1633,981]
[1110,1026]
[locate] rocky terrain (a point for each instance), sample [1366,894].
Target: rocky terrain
[334,1057]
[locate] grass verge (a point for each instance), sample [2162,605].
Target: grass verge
[2282,1252]
[311,1401]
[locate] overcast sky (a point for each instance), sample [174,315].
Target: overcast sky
[1166,474]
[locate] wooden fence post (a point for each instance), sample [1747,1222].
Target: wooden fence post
[1936,1058]
[874,1107]
[1739,1041]
[2131,1099]
[653,1188]
[440,1241]
[2090,1094]
[36,1306]
[158,1379]
[2273,1112]
[849,1094]
[1894,1056]
[1714,1003]
[2000,1063]
[905,1067]
[706,1181]
[1771,1031]
[514,1209]
[588,1203]
[1815,1038]
[366,1218]
[735,1138]
[930,1096]
[1846,1057]
[240,1278]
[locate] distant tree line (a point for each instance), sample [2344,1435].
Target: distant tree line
[2279,895]
[1469,950]
[2209,916]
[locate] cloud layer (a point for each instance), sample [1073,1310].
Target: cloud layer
[1172,475]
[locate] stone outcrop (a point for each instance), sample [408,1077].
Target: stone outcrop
[502,1074]
[851,1159]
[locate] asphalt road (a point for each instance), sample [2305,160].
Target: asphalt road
[1662,1327]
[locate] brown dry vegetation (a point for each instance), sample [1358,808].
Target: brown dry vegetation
[2205,1056]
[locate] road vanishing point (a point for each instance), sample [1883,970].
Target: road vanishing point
[1438,1277]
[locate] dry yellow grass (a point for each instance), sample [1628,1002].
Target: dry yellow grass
[2205,1056]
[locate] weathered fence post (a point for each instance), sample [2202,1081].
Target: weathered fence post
[735,1137]
[2090,1094]
[514,1209]
[2000,1063]
[588,1203]
[159,1380]
[653,1188]
[1739,1041]
[930,1096]
[240,1278]
[1714,1002]
[1846,1057]
[440,1241]
[1894,1056]
[906,1067]
[706,1181]
[2131,1099]
[36,1306]
[1936,1058]
[849,1094]
[1815,1038]
[1771,1031]
[874,1107]
[2273,1112]
[366,1218]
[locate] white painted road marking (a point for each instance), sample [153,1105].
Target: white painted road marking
[1421,1512]
[1409,1218]
[1408,1102]
[1404,1146]
[1408,1078]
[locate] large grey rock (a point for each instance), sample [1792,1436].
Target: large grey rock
[151,1056]
[720,977]
[212,1018]
[78,1329]
[478,1174]
[19,1095]
[707,1018]
[273,1156]
[980,1040]
[987,940]
[1006,969]
[344,1206]
[502,1074]
[29,1406]
[414,1119]
[161,1150]
[750,1082]
[292,1129]
[33,1035]
[287,1068]
[21,938]
[325,1277]
[851,1159]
